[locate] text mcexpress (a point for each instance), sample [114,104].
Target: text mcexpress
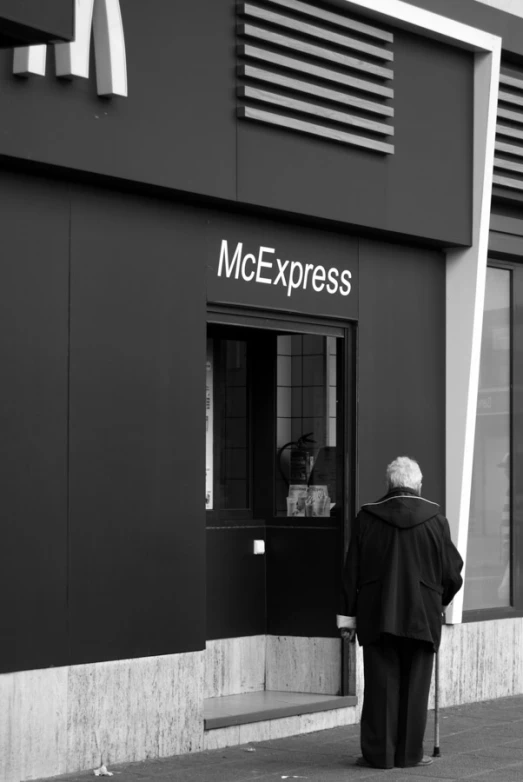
[265,268]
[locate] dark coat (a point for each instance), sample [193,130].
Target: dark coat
[401,570]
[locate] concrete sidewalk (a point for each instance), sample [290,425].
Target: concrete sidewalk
[481,741]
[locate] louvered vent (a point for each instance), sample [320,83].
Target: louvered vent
[508,156]
[306,69]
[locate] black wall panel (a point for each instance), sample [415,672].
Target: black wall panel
[309,176]
[423,190]
[175,129]
[235,583]
[178,128]
[34,226]
[401,348]
[429,178]
[106,549]
[137,429]
[46,20]
[302,580]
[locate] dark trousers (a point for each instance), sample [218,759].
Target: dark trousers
[397,682]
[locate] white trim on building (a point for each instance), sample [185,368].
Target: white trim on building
[466,268]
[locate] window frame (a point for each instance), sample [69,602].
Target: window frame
[265,326]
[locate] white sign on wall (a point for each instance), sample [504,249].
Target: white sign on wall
[264,267]
[274,268]
[102,18]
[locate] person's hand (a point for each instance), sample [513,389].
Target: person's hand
[349,634]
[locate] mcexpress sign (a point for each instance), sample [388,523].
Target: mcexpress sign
[264,268]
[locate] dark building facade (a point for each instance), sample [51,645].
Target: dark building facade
[279,211]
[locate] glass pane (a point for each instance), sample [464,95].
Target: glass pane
[487,583]
[234,478]
[306,426]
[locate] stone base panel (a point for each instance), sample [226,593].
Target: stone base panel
[62,720]
[480,661]
[235,666]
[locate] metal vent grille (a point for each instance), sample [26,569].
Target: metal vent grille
[303,68]
[508,155]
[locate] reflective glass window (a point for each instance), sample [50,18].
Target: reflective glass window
[488,572]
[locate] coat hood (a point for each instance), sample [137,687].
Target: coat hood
[402,508]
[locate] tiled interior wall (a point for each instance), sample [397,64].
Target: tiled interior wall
[306,396]
[301,387]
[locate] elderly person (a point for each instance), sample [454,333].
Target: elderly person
[401,571]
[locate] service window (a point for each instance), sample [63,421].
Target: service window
[275,426]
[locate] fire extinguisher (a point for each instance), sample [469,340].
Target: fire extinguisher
[300,460]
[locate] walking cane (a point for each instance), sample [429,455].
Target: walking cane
[436,753]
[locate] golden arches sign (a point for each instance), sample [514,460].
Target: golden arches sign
[103,19]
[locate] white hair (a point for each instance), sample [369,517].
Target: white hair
[404,472]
